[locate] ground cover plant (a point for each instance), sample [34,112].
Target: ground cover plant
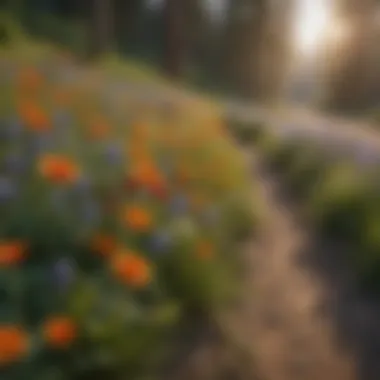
[118,216]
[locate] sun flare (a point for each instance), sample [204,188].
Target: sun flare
[311,22]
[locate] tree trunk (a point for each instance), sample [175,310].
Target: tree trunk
[100,27]
[174,43]
[126,17]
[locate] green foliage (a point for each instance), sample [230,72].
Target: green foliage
[100,230]
[339,198]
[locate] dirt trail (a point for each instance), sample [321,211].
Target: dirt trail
[279,318]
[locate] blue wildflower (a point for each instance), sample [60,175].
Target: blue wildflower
[83,185]
[179,205]
[8,189]
[114,154]
[160,242]
[64,273]
[41,143]
[91,212]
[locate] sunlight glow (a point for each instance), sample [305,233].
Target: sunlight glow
[312,20]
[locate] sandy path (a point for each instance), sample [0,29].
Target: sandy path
[279,317]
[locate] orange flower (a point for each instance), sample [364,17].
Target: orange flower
[30,79]
[34,117]
[13,344]
[137,219]
[58,169]
[60,332]
[205,251]
[104,244]
[131,269]
[145,173]
[11,252]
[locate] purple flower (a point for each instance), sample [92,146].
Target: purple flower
[114,154]
[160,242]
[40,143]
[91,212]
[8,189]
[64,273]
[83,185]
[179,205]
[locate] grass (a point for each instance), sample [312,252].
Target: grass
[339,198]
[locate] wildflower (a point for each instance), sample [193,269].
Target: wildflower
[34,117]
[103,244]
[58,169]
[146,174]
[13,344]
[91,211]
[131,269]
[160,242]
[7,189]
[114,154]
[205,250]
[137,218]
[59,332]
[64,273]
[11,252]
[179,205]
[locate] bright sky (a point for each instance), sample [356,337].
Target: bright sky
[312,21]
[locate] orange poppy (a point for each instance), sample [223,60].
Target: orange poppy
[58,169]
[103,244]
[131,269]
[137,218]
[145,173]
[34,117]
[13,344]
[11,252]
[60,332]
[205,250]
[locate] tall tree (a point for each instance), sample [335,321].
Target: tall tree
[174,41]
[101,27]
[256,49]
[354,79]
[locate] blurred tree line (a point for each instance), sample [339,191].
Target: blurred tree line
[239,47]
[353,80]
[224,45]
